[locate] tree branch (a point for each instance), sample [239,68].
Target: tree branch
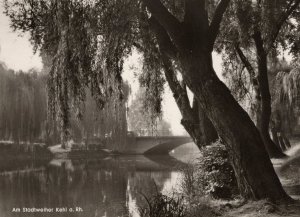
[250,69]
[281,21]
[214,27]
[245,61]
[167,49]
[179,93]
[259,44]
[137,45]
[169,22]
[163,38]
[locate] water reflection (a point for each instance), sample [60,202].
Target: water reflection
[108,187]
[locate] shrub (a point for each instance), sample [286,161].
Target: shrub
[211,175]
[161,205]
[188,180]
[217,175]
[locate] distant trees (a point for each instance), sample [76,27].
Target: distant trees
[24,118]
[110,122]
[141,120]
[23,107]
[285,104]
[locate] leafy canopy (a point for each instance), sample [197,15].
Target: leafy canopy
[86,42]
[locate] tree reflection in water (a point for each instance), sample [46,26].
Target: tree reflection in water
[108,187]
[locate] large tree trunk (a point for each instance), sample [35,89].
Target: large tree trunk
[264,102]
[254,171]
[191,43]
[208,131]
[194,120]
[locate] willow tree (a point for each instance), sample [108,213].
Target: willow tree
[141,119]
[158,68]
[22,105]
[257,33]
[89,40]
[286,98]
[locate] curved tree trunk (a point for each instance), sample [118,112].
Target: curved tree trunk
[273,147]
[274,133]
[191,43]
[254,171]
[194,120]
[278,133]
[262,108]
[265,100]
[208,131]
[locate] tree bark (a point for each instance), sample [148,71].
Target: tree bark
[262,105]
[208,131]
[253,169]
[264,102]
[194,120]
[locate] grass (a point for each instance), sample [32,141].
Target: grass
[160,205]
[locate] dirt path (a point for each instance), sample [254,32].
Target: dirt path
[264,209]
[288,170]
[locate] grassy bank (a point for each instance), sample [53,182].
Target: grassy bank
[24,151]
[207,189]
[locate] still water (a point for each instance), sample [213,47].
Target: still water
[108,187]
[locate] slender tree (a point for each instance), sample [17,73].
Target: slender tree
[255,33]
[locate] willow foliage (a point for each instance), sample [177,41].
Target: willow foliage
[274,20]
[87,42]
[288,87]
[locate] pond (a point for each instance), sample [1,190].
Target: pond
[109,187]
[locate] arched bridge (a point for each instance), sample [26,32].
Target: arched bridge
[160,145]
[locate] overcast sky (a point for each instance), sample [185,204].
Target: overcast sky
[17,53]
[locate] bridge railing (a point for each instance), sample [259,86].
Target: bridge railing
[147,132]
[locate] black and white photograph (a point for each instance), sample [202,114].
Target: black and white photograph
[149,108]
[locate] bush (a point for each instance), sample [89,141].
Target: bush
[188,180]
[161,205]
[217,175]
[211,176]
